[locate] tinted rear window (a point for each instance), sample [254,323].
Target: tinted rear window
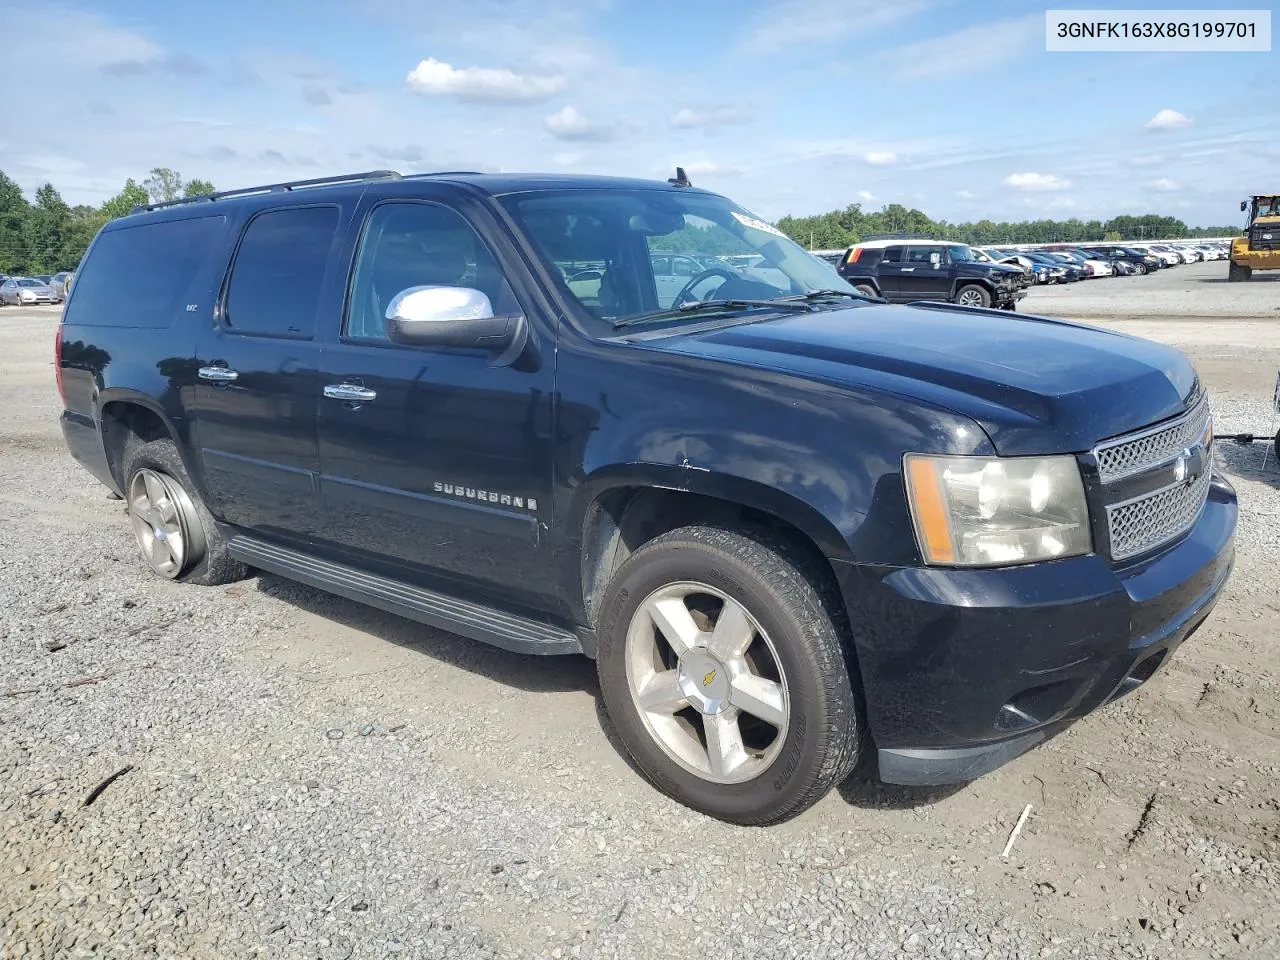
[139,276]
[279,270]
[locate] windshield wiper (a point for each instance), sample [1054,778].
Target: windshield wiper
[820,294]
[702,306]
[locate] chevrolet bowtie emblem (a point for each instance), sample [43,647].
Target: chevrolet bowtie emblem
[707,680]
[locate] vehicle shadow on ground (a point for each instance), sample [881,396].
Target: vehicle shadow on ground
[1246,460]
[1257,278]
[552,674]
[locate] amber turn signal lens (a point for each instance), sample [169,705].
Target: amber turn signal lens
[932,525]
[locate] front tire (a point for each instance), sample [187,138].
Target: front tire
[1236,272]
[973,295]
[866,289]
[176,535]
[725,676]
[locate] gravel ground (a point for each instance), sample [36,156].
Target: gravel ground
[310,778]
[1191,290]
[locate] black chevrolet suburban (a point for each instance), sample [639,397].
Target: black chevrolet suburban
[793,525]
[906,271]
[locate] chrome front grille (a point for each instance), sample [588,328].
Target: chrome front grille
[1147,522]
[1170,452]
[1140,451]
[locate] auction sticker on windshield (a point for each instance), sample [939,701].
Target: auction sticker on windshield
[757,224]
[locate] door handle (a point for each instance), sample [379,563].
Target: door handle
[218,374]
[908,269]
[350,392]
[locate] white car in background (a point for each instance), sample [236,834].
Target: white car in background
[1168,256]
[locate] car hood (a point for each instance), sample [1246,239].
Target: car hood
[1035,385]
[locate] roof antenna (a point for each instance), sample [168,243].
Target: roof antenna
[680,179]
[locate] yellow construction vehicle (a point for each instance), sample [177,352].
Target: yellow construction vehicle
[1259,248]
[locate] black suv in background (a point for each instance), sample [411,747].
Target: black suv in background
[905,271]
[1145,262]
[790,524]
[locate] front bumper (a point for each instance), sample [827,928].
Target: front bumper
[963,670]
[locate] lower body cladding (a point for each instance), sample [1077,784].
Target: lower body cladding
[965,669]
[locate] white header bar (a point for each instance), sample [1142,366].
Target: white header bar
[1141,31]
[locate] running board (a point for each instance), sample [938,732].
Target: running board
[473,620]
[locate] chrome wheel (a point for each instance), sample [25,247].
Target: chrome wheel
[970,298]
[707,682]
[163,522]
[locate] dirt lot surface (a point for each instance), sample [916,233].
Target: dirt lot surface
[311,778]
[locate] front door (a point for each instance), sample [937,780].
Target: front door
[258,373]
[926,273]
[443,466]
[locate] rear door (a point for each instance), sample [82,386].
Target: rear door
[890,272]
[258,371]
[444,468]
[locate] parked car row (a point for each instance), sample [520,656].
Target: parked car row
[1061,263]
[26,291]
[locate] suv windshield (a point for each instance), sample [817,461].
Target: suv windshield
[628,253]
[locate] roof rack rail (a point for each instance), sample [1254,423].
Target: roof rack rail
[898,236]
[274,188]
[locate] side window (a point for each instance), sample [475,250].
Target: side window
[921,254]
[661,266]
[892,255]
[414,245]
[279,270]
[137,276]
[684,267]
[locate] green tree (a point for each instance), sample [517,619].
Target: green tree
[46,231]
[1112,236]
[163,185]
[122,204]
[14,211]
[198,188]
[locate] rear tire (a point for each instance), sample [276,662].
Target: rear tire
[973,295]
[752,730]
[176,535]
[1236,272]
[866,289]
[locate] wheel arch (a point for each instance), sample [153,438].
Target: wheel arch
[123,414]
[624,510]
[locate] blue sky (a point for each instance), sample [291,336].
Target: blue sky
[788,106]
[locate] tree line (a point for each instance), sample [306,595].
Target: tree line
[837,229]
[49,235]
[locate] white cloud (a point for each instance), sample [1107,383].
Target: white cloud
[435,78]
[976,48]
[866,196]
[1168,119]
[1036,181]
[1164,185]
[687,118]
[568,123]
[1150,161]
[880,158]
[787,23]
[966,195]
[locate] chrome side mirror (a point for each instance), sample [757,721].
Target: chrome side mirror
[449,317]
[935,259]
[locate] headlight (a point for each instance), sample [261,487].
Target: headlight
[992,511]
